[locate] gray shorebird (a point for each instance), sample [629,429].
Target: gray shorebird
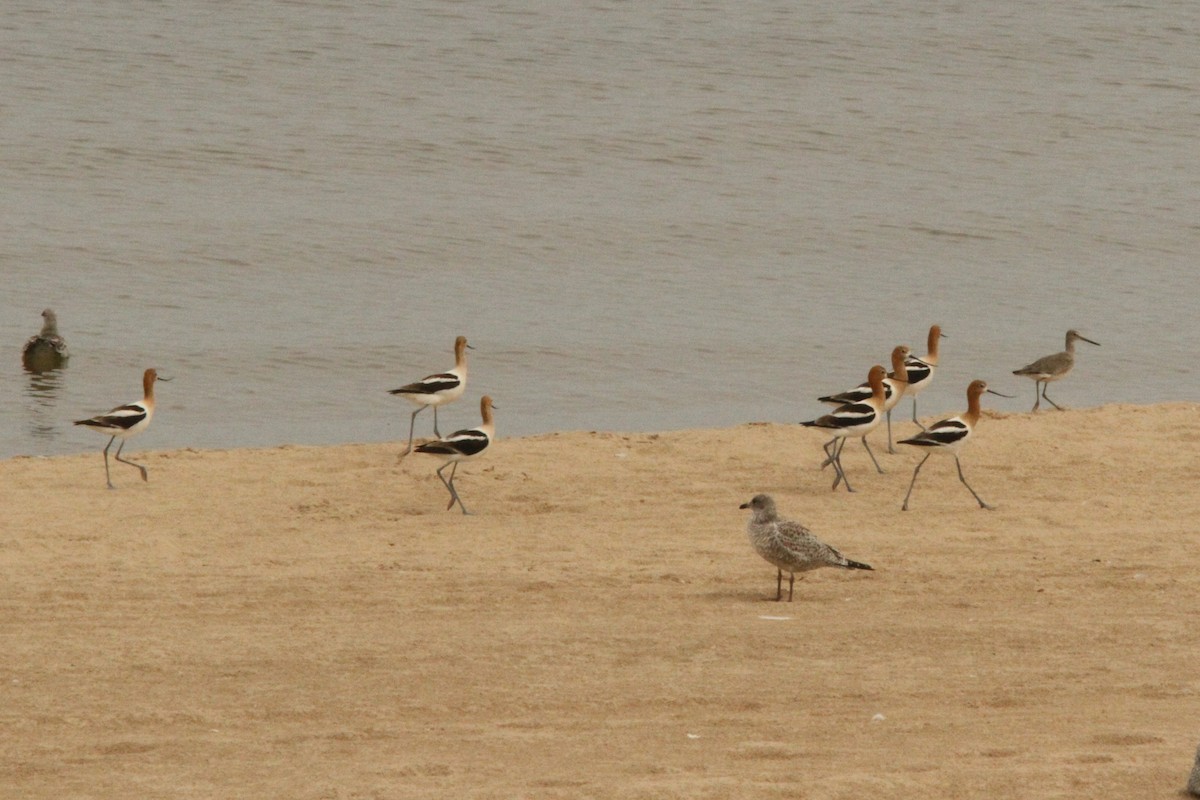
[436,390]
[1052,368]
[949,435]
[788,545]
[47,350]
[462,446]
[125,421]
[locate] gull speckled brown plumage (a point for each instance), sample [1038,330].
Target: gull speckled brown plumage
[788,545]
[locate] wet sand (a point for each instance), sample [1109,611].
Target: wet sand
[310,622]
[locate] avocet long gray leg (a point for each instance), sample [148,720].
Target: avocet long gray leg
[145,476]
[913,482]
[106,475]
[872,455]
[837,465]
[454,498]
[412,421]
[972,491]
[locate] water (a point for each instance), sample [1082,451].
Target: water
[643,217]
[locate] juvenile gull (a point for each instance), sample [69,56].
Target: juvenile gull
[462,446]
[437,389]
[1052,368]
[47,350]
[949,435]
[789,545]
[126,421]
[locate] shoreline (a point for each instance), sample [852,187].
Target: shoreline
[816,409]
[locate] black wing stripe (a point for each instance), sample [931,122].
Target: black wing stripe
[111,420]
[431,385]
[471,447]
[856,395]
[917,372]
[465,443]
[940,435]
[849,416]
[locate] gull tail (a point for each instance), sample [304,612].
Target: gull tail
[857,565]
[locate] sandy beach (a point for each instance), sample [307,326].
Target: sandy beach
[304,622]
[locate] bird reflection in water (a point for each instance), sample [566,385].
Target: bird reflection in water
[42,392]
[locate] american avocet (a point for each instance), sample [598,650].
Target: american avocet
[789,545]
[462,446]
[920,370]
[895,386]
[47,350]
[437,390]
[1052,368]
[949,435]
[852,419]
[126,421]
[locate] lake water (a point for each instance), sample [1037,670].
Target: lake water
[644,217]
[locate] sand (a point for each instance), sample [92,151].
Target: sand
[304,622]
